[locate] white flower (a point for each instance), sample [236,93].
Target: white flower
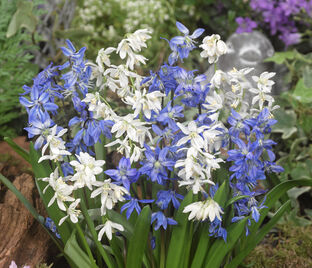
[210,135]
[103,57]
[108,228]
[62,192]
[72,212]
[138,38]
[117,78]
[86,168]
[137,153]
[213,48]
[261,96]
[124,147]
[239,75]
[55,144]
[93,100]
[133,43]
[204,209]
[213,103]
[145,102]
[192,133]
[217,79]
[264,82]
[135,59]
[110,194]
[133,127]
[195,184]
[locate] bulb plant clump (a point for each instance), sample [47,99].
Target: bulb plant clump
[182,181]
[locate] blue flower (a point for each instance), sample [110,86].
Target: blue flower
[39,125]
[237,124]
[162,220]
[156,164]
[134,204]
[38,103]
[124,174]
[169,114]
[182,45]
[51,226]
[216,230]
[165,197]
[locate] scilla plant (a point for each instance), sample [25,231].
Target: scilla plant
[185,192]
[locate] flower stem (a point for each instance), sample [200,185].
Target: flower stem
[108,260]
[85,244]
[162,249]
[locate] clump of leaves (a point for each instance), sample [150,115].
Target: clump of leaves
[295,116]
[289,246]
[16,69]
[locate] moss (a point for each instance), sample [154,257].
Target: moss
[289,247]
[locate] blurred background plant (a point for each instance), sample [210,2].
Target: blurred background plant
[16,68]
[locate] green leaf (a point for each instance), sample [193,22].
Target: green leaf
[281,57]
[202,247]
[117,250]
[177,241]
[302,93]
[274,195]
[22,18]
[22,152]
[307,76]
[75,253]
[252,243]
[219,249]
[138,241]
[286,123]
[222,194]
[43,170]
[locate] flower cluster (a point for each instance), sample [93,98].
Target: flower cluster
[166,153]
[279,17]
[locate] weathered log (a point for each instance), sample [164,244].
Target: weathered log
[22,238]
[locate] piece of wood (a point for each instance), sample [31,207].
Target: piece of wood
[22,239]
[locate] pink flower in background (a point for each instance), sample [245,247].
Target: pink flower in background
[13,265]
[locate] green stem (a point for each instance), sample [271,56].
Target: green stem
[90,224]
[162,249]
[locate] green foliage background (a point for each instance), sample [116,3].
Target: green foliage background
[16,70]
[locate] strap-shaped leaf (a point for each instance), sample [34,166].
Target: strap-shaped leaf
[21,151]
[177,241]
[76,254]
[202,248]
[43,170]
[138,241]
[252,243]
[220,249]
[222,193]
[275,195]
